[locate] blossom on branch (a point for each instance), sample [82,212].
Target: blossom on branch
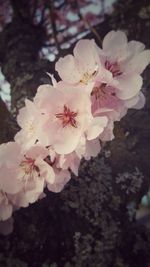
[68,121]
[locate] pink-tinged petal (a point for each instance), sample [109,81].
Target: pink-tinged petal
[51,153]
[19,200]
[22,139]
[25,140]
[86,54]
[32,196]
[135,47]
[105,76]
[25,113]
[81,148]
[71,161]
[9,153]
[37,151]
[68,69]
[8,180]
[136,102]
[92,148]
[115,44]
[46,171]
[102,111]
[129,86]
[67,141]
[44,94]
[139,62]
[74,166]
[29,119]
[107,134]
[5,211]
[141,102]
[97,127]
[130,103]
[48,132]
[62,177]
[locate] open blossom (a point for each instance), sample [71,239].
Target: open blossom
[125,61]
[81,68]
[88,148]
[28,119]
[70,161]
[66,122]
[67,116]
[85,149]
[28,171]
[61,179]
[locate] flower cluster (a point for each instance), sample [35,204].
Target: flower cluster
[68,120]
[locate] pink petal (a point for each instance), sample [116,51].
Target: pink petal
[92,148]
[62,177]
[68,69]
[5,211]
[141,102]
[97,127]
[86,54]
[46,171]
[129,86]
[67,141]
[9,153]
[139,62]
[115,44]
[135,47]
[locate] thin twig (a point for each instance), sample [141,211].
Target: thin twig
[92,29]
[54,27]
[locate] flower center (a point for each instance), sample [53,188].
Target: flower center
[103,91]
[87,76]
[67,117]
[113,68]
[27,165]
[99,91]
[30,128]
[28,170]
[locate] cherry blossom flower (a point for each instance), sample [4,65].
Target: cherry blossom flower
[125,62]
[29,120]
[68,121]
[81,68]
[67,116]
[28,169]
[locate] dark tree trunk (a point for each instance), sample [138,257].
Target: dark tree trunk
[20,43]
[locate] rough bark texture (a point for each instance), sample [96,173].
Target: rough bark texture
[20,43]
[89,224]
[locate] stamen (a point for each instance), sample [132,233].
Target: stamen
[67,117]
[87,77]
[102,91]
[113,68]
[29,169]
